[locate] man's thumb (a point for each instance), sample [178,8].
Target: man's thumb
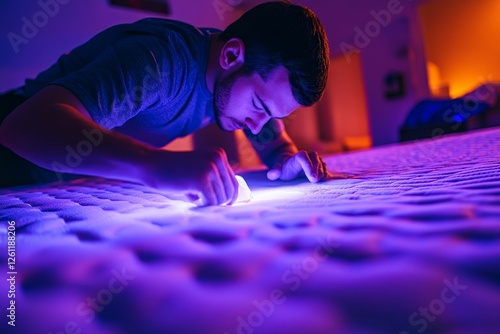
[274,174]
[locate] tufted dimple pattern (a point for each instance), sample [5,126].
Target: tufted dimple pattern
[405,240]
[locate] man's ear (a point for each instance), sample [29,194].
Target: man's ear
[232,55]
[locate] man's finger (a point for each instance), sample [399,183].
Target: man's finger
[207,195]
[218,187]
[231,185]
[321,170]
[294,166]
[234,197]
[316,165]
[229,181]
[324,177]
[291,168]
[274,174]
[307,165]
[227,177]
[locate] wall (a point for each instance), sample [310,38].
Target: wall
[462,37]
[76,21]
[72,22]
[386,35]
[342,113]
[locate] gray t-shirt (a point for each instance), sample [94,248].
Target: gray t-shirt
[145,79]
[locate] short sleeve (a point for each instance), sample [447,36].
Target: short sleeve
[126,78]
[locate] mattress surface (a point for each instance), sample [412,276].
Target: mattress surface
[406,239]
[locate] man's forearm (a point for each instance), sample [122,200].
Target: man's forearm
[57,137]
[55,131]
[281,148]
[283,158]
[273,143]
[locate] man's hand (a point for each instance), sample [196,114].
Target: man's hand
[204,178]
[31,132]
[277,150]
[289,166]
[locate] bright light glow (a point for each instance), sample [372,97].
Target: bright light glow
[246,195]
[244,192]
[276,194]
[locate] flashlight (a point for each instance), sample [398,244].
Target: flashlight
[244,193]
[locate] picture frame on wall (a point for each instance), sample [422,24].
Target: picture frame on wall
[157,6]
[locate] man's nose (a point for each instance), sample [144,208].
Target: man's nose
[255,124]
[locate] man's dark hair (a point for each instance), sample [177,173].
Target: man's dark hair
[280,33]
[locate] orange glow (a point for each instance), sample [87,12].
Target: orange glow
[357,143]
[437,87]
[461,38]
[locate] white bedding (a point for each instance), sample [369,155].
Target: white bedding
[407,242]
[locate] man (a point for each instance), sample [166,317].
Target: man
[106,108]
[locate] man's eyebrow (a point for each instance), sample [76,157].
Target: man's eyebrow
[266,108]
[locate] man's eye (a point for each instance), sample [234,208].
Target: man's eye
[255,105]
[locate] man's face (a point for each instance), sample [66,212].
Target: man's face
[248,101]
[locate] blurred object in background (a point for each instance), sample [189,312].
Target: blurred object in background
[356,143]
[157,6]
[462,66]
[447,46]
[235,3]
[461,40]
[488,94]
[479,108]
[438,87]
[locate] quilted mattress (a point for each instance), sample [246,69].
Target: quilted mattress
[405,240]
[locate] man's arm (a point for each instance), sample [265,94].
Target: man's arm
[46,126]
[277,150]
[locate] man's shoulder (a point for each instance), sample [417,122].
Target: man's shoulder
[169,38]
[168,27]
